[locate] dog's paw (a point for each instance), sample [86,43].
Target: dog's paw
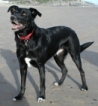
[56,84]
[40,99]
[19,97]
[14,99]
[84,88]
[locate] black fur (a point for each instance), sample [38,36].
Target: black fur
[42,45]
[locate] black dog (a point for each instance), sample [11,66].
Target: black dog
[37,45]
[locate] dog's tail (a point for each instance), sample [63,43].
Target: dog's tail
[85,45]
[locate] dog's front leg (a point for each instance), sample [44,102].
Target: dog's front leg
[23,73]
[42,83]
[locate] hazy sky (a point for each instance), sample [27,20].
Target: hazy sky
[92,1]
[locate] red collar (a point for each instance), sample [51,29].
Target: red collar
[27,37]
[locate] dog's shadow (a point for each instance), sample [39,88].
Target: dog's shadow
[91,57]
[7,90]
[12,63]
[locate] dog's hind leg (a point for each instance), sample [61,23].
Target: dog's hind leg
[59,59]
[74,51]
[77,60]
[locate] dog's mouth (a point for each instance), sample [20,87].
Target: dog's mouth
[16,25]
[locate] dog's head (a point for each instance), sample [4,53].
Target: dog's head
[22,18]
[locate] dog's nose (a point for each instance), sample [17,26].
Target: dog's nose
[13,17]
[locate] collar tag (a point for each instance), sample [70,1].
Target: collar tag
[26,42]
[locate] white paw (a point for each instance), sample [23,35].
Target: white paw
[14,99]
[84,89]
[56,84]
[41,100]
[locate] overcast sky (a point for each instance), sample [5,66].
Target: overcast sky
[92,1]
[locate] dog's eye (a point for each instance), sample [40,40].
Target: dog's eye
[23,14]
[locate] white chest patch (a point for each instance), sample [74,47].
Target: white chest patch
[59,51]
[27,60]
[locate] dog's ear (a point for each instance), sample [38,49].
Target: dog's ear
[12,8]
[35,12]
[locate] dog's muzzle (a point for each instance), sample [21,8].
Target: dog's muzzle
[13,17]
[15,24]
